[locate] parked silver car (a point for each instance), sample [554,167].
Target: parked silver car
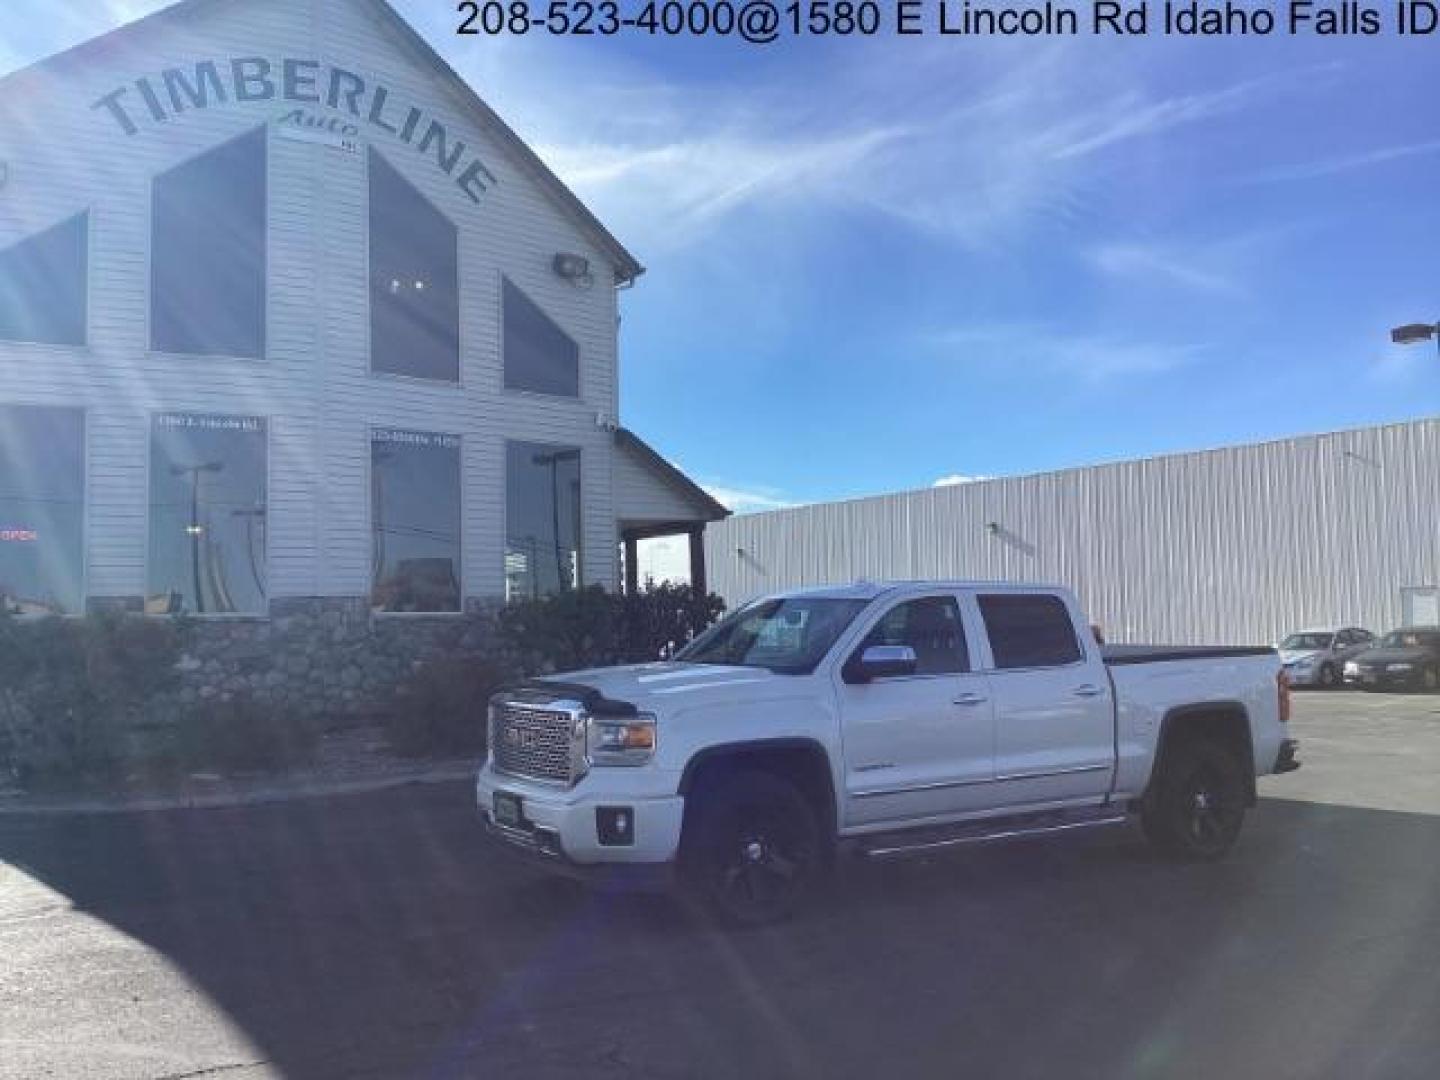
[1317,657]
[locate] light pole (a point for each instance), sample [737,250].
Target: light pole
[194,529]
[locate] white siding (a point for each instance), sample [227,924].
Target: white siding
[1241,544]
[642,496]
[315,385]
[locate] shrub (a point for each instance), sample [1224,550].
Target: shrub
[73,689]
[241,735]
[664,617]
[592,628]
[440,710]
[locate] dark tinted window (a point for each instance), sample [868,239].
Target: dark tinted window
[542,519]
[415,520]
[207,515]
[539,356]
[44,285]
[414,281]
[207,271]
[930,626]
[1029,630]
[42,510]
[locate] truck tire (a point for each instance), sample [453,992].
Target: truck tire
[753,850]
[1198,804]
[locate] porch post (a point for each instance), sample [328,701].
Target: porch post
[632,565]
[697,560]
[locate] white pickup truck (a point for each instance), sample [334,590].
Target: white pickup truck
[881,720]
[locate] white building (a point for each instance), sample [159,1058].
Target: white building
[1243,544]
[289,315]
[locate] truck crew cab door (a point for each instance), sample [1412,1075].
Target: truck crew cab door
[917,746]
[1054,702]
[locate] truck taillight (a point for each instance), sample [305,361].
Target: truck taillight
[1282,689]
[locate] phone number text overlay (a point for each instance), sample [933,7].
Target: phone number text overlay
[762,22]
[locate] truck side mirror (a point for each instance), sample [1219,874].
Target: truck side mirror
[881,662]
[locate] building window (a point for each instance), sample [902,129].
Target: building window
[542,519]
[1029,630]
[539,356]
[42,510]
[44,285]
[414,281]
[207,515]
[207,260]
[415,520]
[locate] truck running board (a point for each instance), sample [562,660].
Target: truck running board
[921,841]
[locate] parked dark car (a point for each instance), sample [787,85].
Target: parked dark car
[1407,659]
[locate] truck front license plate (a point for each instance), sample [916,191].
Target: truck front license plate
[508,809]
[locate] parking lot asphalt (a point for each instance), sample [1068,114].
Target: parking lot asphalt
[372,936]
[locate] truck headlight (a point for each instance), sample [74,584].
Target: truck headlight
[620,741]
[1399,667]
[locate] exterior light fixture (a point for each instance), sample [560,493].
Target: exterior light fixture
[993,528]
[1414,333]
[194,530]
[573,268]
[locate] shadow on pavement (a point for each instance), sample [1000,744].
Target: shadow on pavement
[375,936]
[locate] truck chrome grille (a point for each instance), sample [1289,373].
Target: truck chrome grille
[539,744]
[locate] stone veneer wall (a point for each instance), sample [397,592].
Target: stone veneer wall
[324,655]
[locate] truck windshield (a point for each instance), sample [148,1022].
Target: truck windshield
[787,636]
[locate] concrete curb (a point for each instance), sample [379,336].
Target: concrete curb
[258,794]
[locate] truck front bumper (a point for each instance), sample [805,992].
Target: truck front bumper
[561,828]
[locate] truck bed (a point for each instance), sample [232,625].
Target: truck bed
[1117,655]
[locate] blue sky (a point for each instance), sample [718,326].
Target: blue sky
[875,264]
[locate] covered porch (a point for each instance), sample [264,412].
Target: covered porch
[656,500]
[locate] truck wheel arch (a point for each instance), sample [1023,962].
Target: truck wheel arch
[1226,722]
[800,760]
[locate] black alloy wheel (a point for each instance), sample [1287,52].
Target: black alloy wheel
[1199,803]
[755,852]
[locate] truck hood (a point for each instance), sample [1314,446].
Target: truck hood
[669,685]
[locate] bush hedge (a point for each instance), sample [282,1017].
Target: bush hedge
[71,690]
[593,628]
[88,700]
[440,710]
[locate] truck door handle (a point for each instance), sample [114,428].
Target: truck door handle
[1089,690]
[970,699]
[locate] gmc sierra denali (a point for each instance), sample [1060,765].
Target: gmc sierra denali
[880,720]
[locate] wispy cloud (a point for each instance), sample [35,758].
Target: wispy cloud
[1014,144]
[1093,358]
[1158,262]
[956,479]
[1133,117]
[1348,163]
[748,500]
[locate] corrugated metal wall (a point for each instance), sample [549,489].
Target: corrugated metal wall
[1236,545]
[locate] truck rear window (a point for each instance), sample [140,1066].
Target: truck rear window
[1029,630]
